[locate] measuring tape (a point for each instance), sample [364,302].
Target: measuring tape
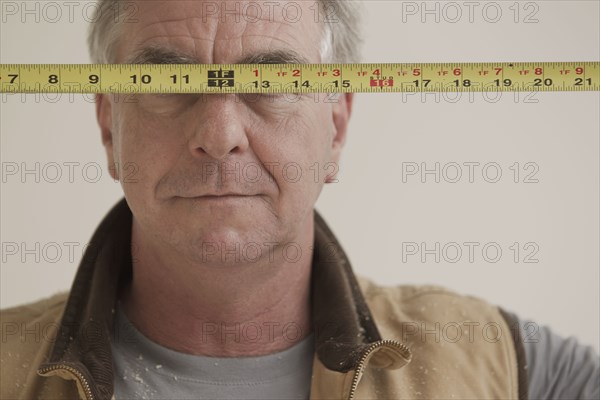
[299,78]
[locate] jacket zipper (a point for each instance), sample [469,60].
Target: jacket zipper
[404,350]
[82,379]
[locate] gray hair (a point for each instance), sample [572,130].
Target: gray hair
[341,42]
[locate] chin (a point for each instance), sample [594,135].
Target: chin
[226,244]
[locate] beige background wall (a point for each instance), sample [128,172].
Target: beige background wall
[376,213]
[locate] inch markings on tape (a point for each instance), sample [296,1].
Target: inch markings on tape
[300,78]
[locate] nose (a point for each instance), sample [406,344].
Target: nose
[218,127]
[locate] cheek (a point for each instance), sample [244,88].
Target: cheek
[146,146]
[300,152]
[313,130]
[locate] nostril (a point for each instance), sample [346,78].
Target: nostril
[218,136]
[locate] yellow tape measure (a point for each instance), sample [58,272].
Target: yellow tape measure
[299,78]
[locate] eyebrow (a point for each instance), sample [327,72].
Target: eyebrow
[160,55]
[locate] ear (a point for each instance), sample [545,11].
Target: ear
[104,117]
[342,109]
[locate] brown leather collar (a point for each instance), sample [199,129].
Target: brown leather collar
[342,322]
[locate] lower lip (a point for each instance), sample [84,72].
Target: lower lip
[219,198]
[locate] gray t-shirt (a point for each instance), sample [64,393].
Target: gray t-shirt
[146,370]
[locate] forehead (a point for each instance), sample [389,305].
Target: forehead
[222,32]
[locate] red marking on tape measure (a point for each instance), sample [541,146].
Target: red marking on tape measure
[381,82]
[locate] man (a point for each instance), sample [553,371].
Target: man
[204,283]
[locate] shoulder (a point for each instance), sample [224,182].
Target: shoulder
[453,334]
[40,309]
[410,295]
[425,307]
[449,316]
[28,330]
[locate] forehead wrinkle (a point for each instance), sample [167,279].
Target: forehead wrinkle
[291,44]
[155,42]
[227,50]
[192,27]
[144,53]
[197,31]
[158,54]
[198,13]
[254,20]
[166,24]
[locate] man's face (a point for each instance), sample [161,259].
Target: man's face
[226,170]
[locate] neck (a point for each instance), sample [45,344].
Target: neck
[249,309]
